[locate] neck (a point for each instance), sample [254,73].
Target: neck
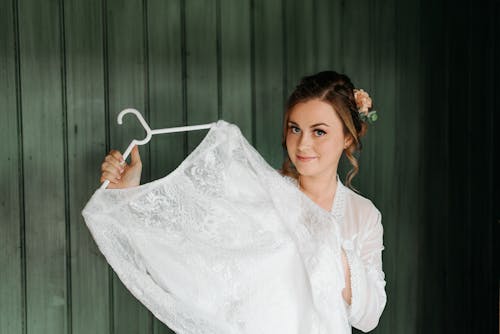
[321,189]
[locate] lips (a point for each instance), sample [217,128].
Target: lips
[304,158]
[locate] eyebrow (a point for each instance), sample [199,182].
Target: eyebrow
[312,126]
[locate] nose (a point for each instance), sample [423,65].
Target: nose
[304,142]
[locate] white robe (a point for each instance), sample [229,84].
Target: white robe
[224,244]
[361,234]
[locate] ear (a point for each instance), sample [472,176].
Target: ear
[348,141]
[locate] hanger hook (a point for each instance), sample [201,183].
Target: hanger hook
[141,120]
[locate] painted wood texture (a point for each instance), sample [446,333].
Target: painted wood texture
[12,223]
[86,137]
[68,67]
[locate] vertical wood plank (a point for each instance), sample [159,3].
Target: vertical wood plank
[201,65]
[86,149]
[126,73]
[328,35]
[42,121]
[493,84]
[356,46]
[480,207]
[300,47]
[382,139]
[165,92]
[436,143]
[460,155]
[408,213]
[269,90]
[11,261]
[235,58]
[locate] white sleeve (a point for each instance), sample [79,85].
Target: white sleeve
[364,257]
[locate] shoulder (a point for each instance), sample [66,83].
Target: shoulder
[363,218]
[359,201]
[364,207]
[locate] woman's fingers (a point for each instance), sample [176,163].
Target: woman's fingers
[118,156]
[111,167]
[109,176]
[122,175]
[113,163]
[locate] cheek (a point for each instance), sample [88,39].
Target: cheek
[334,147]
[290,143]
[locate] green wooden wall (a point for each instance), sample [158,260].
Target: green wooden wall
[67,67]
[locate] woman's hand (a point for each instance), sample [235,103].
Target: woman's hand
[118,172]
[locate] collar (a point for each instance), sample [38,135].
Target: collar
[338,206]
[339,201]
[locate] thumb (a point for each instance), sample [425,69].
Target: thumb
[135,156]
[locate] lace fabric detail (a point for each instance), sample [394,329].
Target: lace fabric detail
[358,282]
[224,244]
[338,207]
[158,208]
[339,200]
[204,173]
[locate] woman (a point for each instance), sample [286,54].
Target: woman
[325,117]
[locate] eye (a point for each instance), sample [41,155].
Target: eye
[294,129]
[319,132]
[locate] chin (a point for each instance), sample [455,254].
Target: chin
[307,171]
[307,174]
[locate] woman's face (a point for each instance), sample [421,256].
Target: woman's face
[315,138]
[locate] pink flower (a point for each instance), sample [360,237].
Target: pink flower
[363,101]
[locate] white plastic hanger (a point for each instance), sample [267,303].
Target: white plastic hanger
[150,133]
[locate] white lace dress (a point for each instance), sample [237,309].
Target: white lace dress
[362,240]
[224,244]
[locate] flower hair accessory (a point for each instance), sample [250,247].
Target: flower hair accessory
[363,103]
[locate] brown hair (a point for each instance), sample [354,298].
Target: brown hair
[337,90]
